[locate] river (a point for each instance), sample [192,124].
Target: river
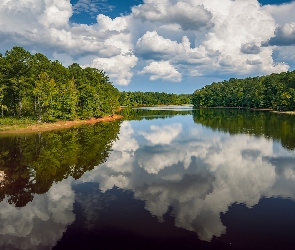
[160,178]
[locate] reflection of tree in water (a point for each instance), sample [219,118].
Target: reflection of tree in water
[32,163]
[259,123]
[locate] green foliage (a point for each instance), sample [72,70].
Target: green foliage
[9,123]
[276,91]
[135,99]
[33,86]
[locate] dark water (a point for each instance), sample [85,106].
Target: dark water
[160,179]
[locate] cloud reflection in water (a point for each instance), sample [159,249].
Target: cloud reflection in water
[197,172]
[23,228]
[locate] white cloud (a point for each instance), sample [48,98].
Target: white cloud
[284,35]
[57,13]
[231,45]
[253,62]
[188,15]
[186,37]
[153,46]
[45,25]
[239,27]
[283,13]
[249,48]
[117,67]
[162,70]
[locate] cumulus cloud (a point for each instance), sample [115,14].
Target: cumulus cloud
[284,35]
[183,38]
[57,13]
[238,43]
[153,46]
[117,67]
[253,62]
[161,70]
[231,44]
[250,49]
[44,24]
[188,15]
[283,13]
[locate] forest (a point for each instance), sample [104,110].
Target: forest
[36,87]
[275,91]
[135,99]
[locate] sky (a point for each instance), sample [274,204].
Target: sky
[173,46]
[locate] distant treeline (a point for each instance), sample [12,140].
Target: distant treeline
[34,86]
[275,91]
[135,99]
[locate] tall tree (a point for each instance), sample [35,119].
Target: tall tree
[16,69]
[46,94]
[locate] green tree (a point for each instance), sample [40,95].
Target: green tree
[46,95]
[15,69]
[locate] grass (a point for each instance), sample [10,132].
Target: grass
[9,123]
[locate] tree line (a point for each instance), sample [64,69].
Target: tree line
[276,91]
[135,99]
[34,86]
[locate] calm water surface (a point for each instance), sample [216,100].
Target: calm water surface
[162,178]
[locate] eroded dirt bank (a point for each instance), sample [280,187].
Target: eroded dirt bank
[58,125]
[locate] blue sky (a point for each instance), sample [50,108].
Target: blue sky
[116,8]
[175,46]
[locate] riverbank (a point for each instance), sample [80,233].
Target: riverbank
[41,127]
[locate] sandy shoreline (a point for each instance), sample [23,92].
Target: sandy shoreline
[59,125]
[284,112]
